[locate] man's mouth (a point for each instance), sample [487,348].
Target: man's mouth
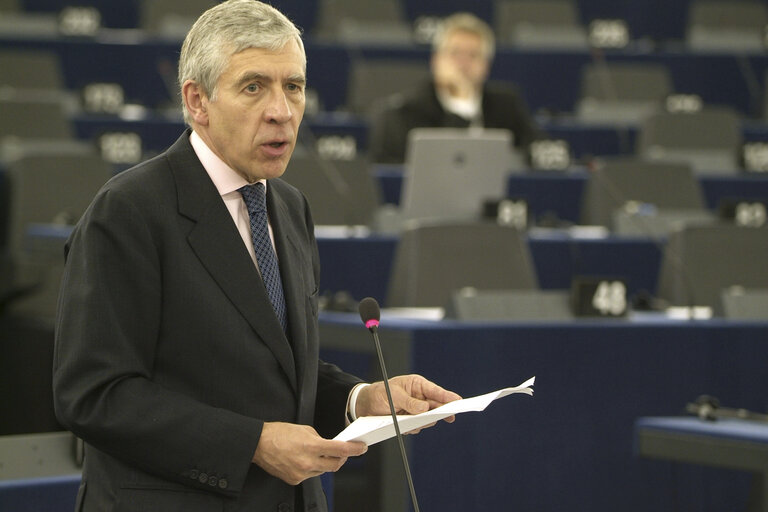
[276,148]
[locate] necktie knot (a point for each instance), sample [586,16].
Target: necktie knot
[254,196]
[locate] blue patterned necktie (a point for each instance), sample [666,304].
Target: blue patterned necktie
[256,202]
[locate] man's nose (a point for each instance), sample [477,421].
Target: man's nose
[278,110]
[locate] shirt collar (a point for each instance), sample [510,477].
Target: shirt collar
[223,176]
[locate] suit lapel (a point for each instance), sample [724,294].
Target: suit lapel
[217,243]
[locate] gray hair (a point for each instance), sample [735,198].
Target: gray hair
[227,29]
[465,22]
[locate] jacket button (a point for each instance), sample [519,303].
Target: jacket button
[194,474]
[223,483]
[213,481]
[202,478]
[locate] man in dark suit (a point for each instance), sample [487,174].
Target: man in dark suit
[187,340]
[457,96]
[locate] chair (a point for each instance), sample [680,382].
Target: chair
[340,192]
[46,189]
[10,6]
[31,69]
[667,186]
[622,92]
[16,22]
[44,118]
[539,23]
[709,140]
[732,25]
[372,21]
[701,261]
[432,261]
[172,18]
[372,82]
[52,189]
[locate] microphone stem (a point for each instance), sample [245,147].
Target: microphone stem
[394,420]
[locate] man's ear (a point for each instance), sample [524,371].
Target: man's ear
[196,102]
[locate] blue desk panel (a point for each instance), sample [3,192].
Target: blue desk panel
[560,194]
[59,493]
[49,494]
[736,444]
[569,447]
[362,266]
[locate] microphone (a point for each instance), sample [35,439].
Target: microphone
[370,314]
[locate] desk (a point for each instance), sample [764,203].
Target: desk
[49,494]
[38,473]
[570,446]
[729,443]
[552,192]
[362,266]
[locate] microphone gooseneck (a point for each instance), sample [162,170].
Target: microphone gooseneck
[370,314]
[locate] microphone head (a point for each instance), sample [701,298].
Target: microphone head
[369,312]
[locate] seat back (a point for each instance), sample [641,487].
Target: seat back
[8,6]
[432,261]
[372,81]
[34,119]
[172,18]
[30,69]
[701,261]
[622,92]
[369,21]
[52,189]
[539,23]
[726,25]
[340,192]
[709,140]
[667,186]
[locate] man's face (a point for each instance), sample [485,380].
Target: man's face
[253,123]
[467,53]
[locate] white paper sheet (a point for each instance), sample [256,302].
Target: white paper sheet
[374,429]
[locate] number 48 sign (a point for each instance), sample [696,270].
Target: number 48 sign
[599,297]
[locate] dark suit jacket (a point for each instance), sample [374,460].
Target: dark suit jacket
[502,108]
[169,357]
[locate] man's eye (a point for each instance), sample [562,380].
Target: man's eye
[252,88]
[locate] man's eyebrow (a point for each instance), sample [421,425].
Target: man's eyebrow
[253,76]
[256,76]
[298,78]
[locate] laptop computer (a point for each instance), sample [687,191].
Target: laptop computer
[451,172]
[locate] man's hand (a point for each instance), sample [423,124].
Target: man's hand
[449,78]
[411,394]
[294,453]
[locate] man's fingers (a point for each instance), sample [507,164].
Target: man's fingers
[436,394]
[405,402]
[294,453]
[341,449]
